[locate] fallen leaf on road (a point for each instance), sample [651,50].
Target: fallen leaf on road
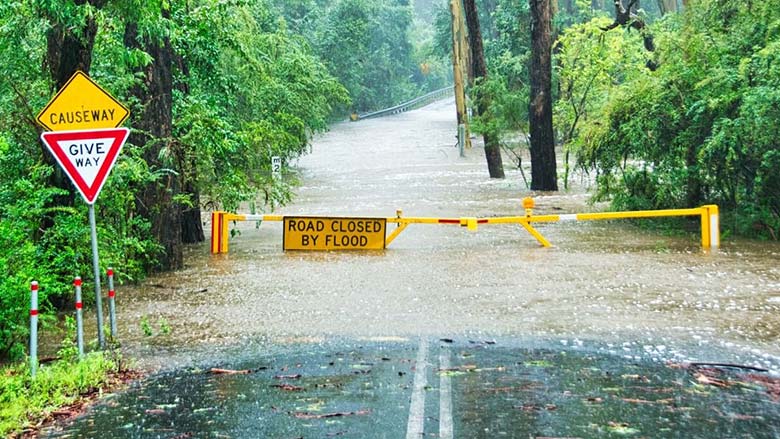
[288,377]
[218,371]
[709,380]
[621,428]
[536,408]
[307,415]
[771,384]
[646,401]
[288,387]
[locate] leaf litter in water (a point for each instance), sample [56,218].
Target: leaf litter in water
[538,363]
[621,428]
[307,415]
[288,387]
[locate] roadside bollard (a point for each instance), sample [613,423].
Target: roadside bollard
[111,304]
[33,328]
[79,317]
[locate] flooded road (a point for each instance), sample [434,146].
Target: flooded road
[602,280]
[610,289]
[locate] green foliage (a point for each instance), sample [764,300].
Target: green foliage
[702,128]
[590,64]
[507,48]
[255,91]
[165,327]
[365,44]
[146,328]
[246,87]
[24,401]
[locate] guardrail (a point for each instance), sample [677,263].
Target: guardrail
[406,106]
[351,233]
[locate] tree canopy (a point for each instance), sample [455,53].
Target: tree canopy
[664,106]
[215,90]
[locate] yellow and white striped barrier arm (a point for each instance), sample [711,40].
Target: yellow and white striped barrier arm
[709,214]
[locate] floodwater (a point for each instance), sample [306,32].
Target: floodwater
[608,281]
[608,292]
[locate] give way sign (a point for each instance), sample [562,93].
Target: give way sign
[86,156]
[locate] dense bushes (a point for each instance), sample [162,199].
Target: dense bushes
[700,129]
[369,47]
[245,89]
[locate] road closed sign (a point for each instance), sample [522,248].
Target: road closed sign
[322,233]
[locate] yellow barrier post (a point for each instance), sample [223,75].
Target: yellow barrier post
[705,227]
[710,220]
[220,231]
[216,231]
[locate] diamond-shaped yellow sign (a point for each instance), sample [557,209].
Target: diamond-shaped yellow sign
[82,105]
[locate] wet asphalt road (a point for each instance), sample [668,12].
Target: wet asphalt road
[444,389]
[609,300]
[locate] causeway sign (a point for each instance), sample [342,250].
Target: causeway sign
[86,156]
[81,104]
[319,233]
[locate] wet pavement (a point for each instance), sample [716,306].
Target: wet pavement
[608,301]
[445,389]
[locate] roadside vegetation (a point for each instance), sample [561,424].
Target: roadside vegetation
[670,106]
[26,403]
[61,387]
[215,89]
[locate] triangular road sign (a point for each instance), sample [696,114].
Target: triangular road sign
[86,156]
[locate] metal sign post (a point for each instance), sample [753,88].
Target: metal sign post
[96,271]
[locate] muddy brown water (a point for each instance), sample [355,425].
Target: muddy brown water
[605,281]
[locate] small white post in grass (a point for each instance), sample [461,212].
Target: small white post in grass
[111,302]
[79,317]
[33,328]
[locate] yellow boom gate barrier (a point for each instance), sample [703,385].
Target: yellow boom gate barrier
[354,233]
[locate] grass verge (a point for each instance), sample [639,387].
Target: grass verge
[59,389]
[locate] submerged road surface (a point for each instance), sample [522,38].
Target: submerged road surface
[449,332]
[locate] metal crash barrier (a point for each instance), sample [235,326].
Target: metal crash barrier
[407,106]
[353,233]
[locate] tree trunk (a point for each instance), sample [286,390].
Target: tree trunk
[463,43]
[457,69]
[667,6]
[543,167]
[492,147]
[191,227]
[153,132]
